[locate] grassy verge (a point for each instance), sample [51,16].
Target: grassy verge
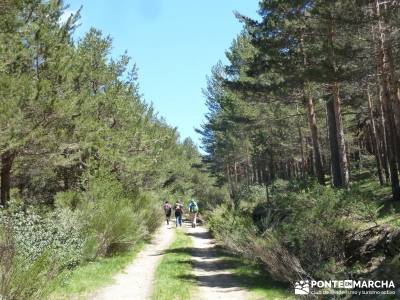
[388,211]
[87,278]
[251,276]
[171,275]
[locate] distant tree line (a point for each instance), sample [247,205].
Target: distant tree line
[68,109]
[311,90]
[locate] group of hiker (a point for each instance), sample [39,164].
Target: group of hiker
[178,209]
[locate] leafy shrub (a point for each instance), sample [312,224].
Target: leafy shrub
[239,235]
[113,219]
[310,224]
[149,209]
[20,277]
[248,196]
[228,227]
[112,225]
[36,232]
[305,227]
[68,199]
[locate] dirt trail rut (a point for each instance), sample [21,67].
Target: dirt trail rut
[136,282]
[213,275]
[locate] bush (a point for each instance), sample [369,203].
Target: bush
[249,196]
[238,234]
[84,225]
[68,199]
[298,229]
[36,232]
[113,219]
[22,278]
[310,224]
[148,206]
[112,226]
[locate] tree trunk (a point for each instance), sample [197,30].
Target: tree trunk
[301,152]
[334,147]
[235,174]
[383,142]
[393,89]
[254,169]
[390,133]
[311,170]
[260,174]
[7,159]
[387,106]
[374,140]
[344,167]
[360,154]
[312,122]
[272,169]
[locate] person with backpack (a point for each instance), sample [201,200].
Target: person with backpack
[167,210]
[178,213]
[194,210]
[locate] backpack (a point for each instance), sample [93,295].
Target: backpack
[178,208]
[167,208]
[193,208]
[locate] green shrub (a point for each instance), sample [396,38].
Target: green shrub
[99,221]
[238,234]
[148,205]
[309,224]
[114,220]
[36,232]
[112,225]
[20,277]
[249,196]
[68,199]
[230,228]
[304,226]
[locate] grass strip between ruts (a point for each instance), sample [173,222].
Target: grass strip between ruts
[171,276]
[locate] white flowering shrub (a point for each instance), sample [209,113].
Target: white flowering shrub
[57,232]
[22,277]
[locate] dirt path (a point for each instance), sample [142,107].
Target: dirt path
[136,282]
[213,275]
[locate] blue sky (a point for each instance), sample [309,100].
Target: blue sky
[174,44]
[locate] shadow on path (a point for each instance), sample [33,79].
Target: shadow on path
[217,268]
[201,235]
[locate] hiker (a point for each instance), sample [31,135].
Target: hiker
[194,209]
[178,213]
[167,210]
